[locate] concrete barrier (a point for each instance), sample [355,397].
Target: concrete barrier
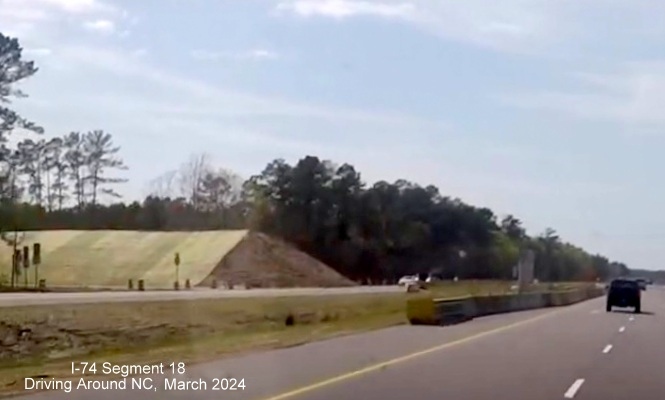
[455,310]
[422,311]
[431,311]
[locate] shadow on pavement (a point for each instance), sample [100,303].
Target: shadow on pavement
[631,312]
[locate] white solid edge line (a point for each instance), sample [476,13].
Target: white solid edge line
[623,328]
[572,390]
[607,349]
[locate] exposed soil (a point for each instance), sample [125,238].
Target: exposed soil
[53,340]
[261,261]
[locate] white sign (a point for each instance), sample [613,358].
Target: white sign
[525,268]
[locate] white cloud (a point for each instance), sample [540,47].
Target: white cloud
[206,55]
[345,8]
[123,64]
[75,6]
[507,24]
[11,10]
[104,26]
[260,54]
[38,52]
[37,21]
[633,94]
[524,26]
[140,52]
[255,54]
[37,10]
[20,19]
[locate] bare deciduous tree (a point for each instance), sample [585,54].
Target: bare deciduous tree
[190,175]
[164,185]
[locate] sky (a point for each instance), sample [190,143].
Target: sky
[547,110]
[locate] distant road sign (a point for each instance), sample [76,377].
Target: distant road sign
[525,268]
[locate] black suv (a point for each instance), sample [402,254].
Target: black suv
[624,293]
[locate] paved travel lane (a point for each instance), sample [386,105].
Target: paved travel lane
[595,356]
[635,368]
[540,360]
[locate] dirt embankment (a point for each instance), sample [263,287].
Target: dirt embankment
[263,261]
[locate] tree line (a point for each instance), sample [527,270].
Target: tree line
[367,232]
[56,172]
[388,229]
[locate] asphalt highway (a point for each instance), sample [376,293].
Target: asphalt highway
[579,352]
[26,299]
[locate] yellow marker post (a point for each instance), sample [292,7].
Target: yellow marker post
[176,261]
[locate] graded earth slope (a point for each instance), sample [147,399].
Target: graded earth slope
[108,258]
[263,261]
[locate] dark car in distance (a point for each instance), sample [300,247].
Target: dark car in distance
[624,293]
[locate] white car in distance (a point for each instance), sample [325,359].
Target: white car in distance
[408,280]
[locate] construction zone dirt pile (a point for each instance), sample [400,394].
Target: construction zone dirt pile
[261,261]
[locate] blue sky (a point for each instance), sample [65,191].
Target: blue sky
[550,110]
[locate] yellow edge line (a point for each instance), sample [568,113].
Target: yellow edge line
[375,367]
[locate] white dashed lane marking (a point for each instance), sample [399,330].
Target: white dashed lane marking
[572,390]
[607,349]
[623,328]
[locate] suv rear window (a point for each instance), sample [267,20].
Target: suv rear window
[624,285]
